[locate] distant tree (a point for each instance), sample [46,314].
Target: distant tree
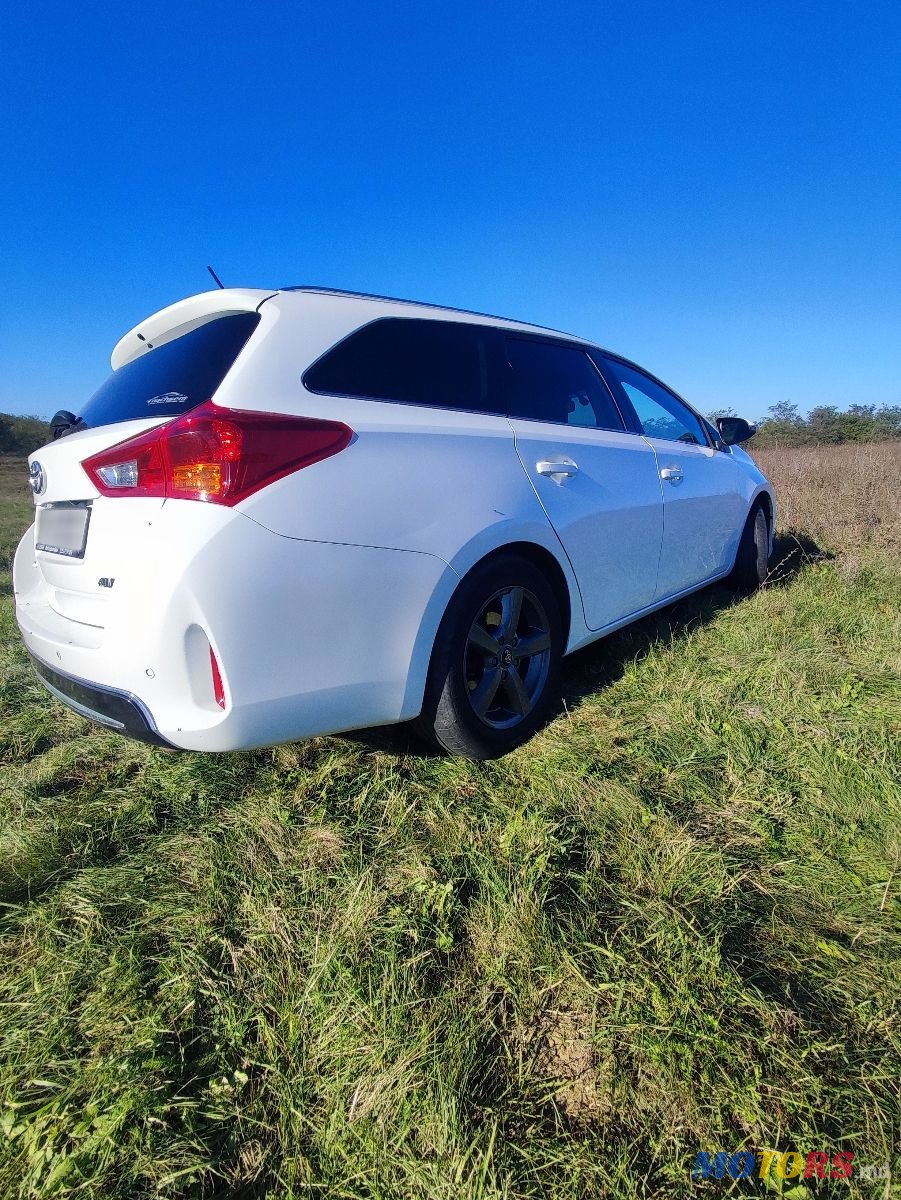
[785,412]
[22,435]
[859,423]
[783,427]
[888,420]
[827,425]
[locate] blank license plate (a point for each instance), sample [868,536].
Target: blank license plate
[63,529]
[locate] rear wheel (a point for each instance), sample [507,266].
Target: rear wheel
[495,666]
[752,561]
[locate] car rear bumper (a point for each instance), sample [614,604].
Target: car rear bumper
[310,637]
[116,709]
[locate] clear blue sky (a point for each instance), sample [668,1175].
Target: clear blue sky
[713,189]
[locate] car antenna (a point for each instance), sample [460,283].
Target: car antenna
[216,277]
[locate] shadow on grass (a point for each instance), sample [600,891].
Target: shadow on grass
[604,662]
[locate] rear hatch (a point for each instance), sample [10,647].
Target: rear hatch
[83,540]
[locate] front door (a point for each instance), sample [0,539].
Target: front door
[598,484]
[703,497]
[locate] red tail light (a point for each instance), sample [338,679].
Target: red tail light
[215,454]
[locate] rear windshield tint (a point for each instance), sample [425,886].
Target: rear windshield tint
[173,378]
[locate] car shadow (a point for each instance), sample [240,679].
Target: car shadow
[597,666]
[605,661]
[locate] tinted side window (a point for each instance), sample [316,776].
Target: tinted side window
[173,378]
[662,415]
[443,364]
[558,383]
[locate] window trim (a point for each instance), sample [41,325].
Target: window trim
[715,439]
[492,334]
[496,343]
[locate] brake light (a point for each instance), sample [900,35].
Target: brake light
[220,455]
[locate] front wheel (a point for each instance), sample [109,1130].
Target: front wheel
[752,561]
[495,665]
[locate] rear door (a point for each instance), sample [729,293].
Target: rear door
[597,482]
[703,492]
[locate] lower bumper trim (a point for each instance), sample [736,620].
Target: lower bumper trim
[118,710]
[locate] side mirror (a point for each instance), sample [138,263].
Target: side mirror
[735,429]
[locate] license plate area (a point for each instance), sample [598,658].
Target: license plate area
[62,529]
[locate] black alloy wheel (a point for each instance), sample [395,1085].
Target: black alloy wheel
[493,676]
[507,657]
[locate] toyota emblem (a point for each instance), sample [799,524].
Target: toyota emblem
[37,478]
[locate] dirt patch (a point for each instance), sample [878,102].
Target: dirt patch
[564,1054]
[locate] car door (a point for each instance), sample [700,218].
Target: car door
[597,482]
[703,495]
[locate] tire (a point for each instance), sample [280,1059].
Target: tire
[480,703]
[752,560]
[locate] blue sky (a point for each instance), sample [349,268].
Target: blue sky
[713,189]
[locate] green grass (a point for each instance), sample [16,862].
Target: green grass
[341,968]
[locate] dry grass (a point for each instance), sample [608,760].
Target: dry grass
[840,496]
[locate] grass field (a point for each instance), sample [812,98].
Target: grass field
[344,969]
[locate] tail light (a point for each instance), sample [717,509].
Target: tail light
[220,455]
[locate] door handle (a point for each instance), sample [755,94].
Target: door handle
[565,467]
[673,474]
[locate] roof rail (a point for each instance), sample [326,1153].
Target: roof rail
[331,291]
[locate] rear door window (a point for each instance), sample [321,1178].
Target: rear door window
[441,364]
[552,382]
[172,378]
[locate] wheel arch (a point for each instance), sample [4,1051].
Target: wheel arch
[761,499]
[542,558]
[565,591]
[768,504]
[764,498]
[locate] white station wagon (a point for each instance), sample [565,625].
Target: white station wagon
[304,511]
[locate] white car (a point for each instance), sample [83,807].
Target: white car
[305,511]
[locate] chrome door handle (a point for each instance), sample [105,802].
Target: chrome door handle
[567,468]
[673,474]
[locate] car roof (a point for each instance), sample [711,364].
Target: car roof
[438,309]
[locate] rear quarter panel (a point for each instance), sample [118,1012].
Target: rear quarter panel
[431,481]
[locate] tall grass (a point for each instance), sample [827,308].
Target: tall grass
[16,505]
[344,968]
[844,497]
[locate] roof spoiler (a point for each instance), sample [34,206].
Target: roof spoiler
[183,316]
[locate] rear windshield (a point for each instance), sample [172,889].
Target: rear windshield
[174,377]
